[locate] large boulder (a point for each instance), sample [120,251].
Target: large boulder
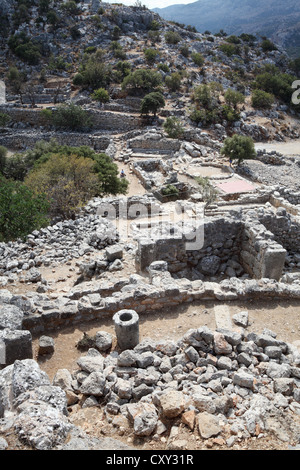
[15,345]
[11,317]
[209,265]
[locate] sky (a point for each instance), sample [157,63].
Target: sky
[152,3]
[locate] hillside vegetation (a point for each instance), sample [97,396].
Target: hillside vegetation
[129,61]
[277,20]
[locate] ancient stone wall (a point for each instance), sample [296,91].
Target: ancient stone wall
[261,255]
[153,142]
[220,242]
[231,246]
[102,120]
[284,226]
[145,298]
[19,141]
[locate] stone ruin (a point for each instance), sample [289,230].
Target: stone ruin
[248,248]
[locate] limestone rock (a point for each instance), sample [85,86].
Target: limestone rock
[26,376]
[42,426]
[208,425]
[144,417]
[188,418]
[221,346]
[103,340]
[241,318]
[11,317]
[172,403]
[46,345]
[93,385]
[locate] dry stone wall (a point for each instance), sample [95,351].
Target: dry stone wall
[102,120]
[261,255]
[21,140]
[219,243]
[284,226]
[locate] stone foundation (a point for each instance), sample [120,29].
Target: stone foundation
[232,246]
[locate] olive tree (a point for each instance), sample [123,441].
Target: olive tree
[239,147]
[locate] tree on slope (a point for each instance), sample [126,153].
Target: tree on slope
[239,147]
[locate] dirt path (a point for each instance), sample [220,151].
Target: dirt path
[290,148]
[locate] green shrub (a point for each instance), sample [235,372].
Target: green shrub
[94,72]
[78,79]
[69,176]
[268,45]
[184,50]
[25,48]
[97,21]
[203,96]
[21,211]
[68,182]
[233,98]
[4,25]
[152,102]
[71,8]
[90,49]
[154,25]
[205,116]
[229,114]
[151,55]
[108,175]
[229,49]
[101,95]
[116,32]
[208,191]
[53,19]
[71,116]
[170,190]
[154,36]
[173,127]
[249,38]
[295,65]
[16,167]
[122,69]
[197,58]
[44,6]
[3,154]
[164,67]
[233,39]
[47,113]
[75,33]
[4,119]
[238,147]
[142,79]
[261,99]
[57,63]
[173,81]
[275,82]
[172,37]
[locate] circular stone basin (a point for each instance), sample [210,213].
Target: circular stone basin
[127,328]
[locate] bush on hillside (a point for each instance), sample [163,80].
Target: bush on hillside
[238,147]
[261,99]
[21,211]
[152,102]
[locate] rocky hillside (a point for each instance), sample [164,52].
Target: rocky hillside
[55,52]
[274,19]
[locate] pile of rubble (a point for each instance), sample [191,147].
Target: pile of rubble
[60,242]
[233,385]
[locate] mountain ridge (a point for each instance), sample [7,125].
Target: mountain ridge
[281,23]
